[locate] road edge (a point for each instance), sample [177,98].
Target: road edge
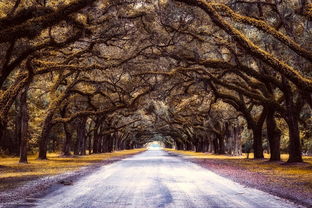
[27,193]
[272,192]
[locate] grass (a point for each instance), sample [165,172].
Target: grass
[13,174]
[276,172]
[201,155]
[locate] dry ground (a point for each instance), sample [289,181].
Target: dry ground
[13,174]
[291,181]
[156,179]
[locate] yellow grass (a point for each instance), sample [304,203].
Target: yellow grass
[201,155]
[296,173]
[13,174]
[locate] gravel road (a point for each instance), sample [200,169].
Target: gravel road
[156,179]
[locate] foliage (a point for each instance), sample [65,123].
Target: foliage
[109,75]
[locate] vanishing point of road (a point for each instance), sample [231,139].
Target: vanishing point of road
[156,179]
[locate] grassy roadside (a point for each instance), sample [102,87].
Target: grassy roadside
[13,174]
[292,181]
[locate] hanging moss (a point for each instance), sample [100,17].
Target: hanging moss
[291,73]
[262,25]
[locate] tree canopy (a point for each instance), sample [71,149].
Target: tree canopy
[101,75]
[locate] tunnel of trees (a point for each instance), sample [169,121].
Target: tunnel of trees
[93,76]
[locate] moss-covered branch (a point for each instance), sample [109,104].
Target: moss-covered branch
[265,27]
[288,71]
[34,26]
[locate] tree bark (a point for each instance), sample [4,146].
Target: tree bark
[292,119]
[76,146]
[178,145]
[221,149]
[103,144]
[44,138]
[215,145]
[256,128]
[68,140]
[90,144]
[199,144]
[80,145]
[237,141]
[68,137]
[109,143]
[24,126]
[274,137]
[257,142]
[18,124]
[295,154]
[189,146]
[83,143]
[96,138]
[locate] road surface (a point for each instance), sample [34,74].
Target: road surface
[155,179]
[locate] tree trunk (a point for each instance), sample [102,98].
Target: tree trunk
[96,138]
[215,146]
[128,145]
[103,144]
[113,142]
[81,136]
[237,141]
[221,149]
[68,140]
[23,126]
[210,145]
[205,144]
[118,142]
[178,145]
[189,146]
[76,147]
[90,144]
[54,144]
[18,124]
[84,146]
[44,139]
[257,142]
[198,147]
[199,144]
[230,140]
[274,137]
[292,119]
[68,137]
[256,126]
[109,143]
[295,154]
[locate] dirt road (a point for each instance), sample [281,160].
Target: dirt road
[156,179]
